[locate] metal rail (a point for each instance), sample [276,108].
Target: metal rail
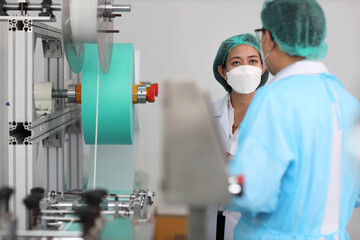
[57,7]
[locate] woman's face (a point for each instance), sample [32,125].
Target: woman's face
[241,55]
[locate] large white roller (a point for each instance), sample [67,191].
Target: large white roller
[85,21]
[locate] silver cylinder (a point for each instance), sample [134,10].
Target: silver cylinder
[57,211]
[71,93]
[60,93]
[62,205]
[119,8]
[31,7]
[141,94]
[119,204]
[48,233]
[56,218]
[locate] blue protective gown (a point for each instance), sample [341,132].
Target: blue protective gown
[300,182]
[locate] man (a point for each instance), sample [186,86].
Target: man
[300,181]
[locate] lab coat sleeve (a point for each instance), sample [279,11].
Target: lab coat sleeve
[263,154]
[357,204]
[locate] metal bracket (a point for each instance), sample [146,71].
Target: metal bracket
[46,9]
[22,25]
[75,128]
[52,49]
[54,141]
[2,10]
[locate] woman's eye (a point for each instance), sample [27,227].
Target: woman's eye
[235,63]
[253,61]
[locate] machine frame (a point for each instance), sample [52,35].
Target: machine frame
[59,133]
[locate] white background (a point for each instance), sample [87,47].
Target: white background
[180,38]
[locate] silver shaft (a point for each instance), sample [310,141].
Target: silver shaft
[121,212]
[49,234]
[62,205]
[55,218]
[57,7]
[57,211]
[60,93]
[70,205]
[119,204]
[31,7]
[119,8]
[119,195]
[67,219]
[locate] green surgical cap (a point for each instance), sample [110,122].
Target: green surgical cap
[297,26]
[224,50]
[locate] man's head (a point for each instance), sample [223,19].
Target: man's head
[296,28]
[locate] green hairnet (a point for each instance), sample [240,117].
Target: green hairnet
[225,48]
[297,26]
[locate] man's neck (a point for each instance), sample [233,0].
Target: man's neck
[282,60]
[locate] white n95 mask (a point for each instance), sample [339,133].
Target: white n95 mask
[244,79]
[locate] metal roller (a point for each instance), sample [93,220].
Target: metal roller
[73,24]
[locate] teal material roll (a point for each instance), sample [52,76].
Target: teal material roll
[118,229]
[115,106]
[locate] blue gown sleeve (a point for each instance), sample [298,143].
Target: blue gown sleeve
[357,204]
[264,153]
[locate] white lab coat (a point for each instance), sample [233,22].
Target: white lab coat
[221,114]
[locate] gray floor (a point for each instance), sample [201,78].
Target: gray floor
[354,225]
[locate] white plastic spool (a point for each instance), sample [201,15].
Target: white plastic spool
[83,22]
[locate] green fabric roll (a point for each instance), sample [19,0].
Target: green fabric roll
[119,229]
[115,107]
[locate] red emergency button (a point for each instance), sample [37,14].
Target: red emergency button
[156,85]
[150,95]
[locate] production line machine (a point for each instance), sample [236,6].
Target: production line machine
[52,106]
[76,214]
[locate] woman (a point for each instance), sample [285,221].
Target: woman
[239,69]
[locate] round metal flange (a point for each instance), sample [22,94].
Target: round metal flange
[74,50]
[74,46]
[105,37]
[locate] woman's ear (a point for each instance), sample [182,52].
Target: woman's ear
[222,71]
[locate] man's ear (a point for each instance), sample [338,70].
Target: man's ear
[267,42]
[222,72]
[263,68]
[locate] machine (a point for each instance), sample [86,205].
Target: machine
[50,193]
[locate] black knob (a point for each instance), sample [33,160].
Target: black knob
[5,193]
[87,219]
[37,191]
[150,201]
[32,201]
[94,198]
[85,215]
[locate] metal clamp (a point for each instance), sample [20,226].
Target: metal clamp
[46,9]
[2,8]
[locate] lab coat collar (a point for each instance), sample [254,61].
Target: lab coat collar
[303,67]
[221,114]
[219,106]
